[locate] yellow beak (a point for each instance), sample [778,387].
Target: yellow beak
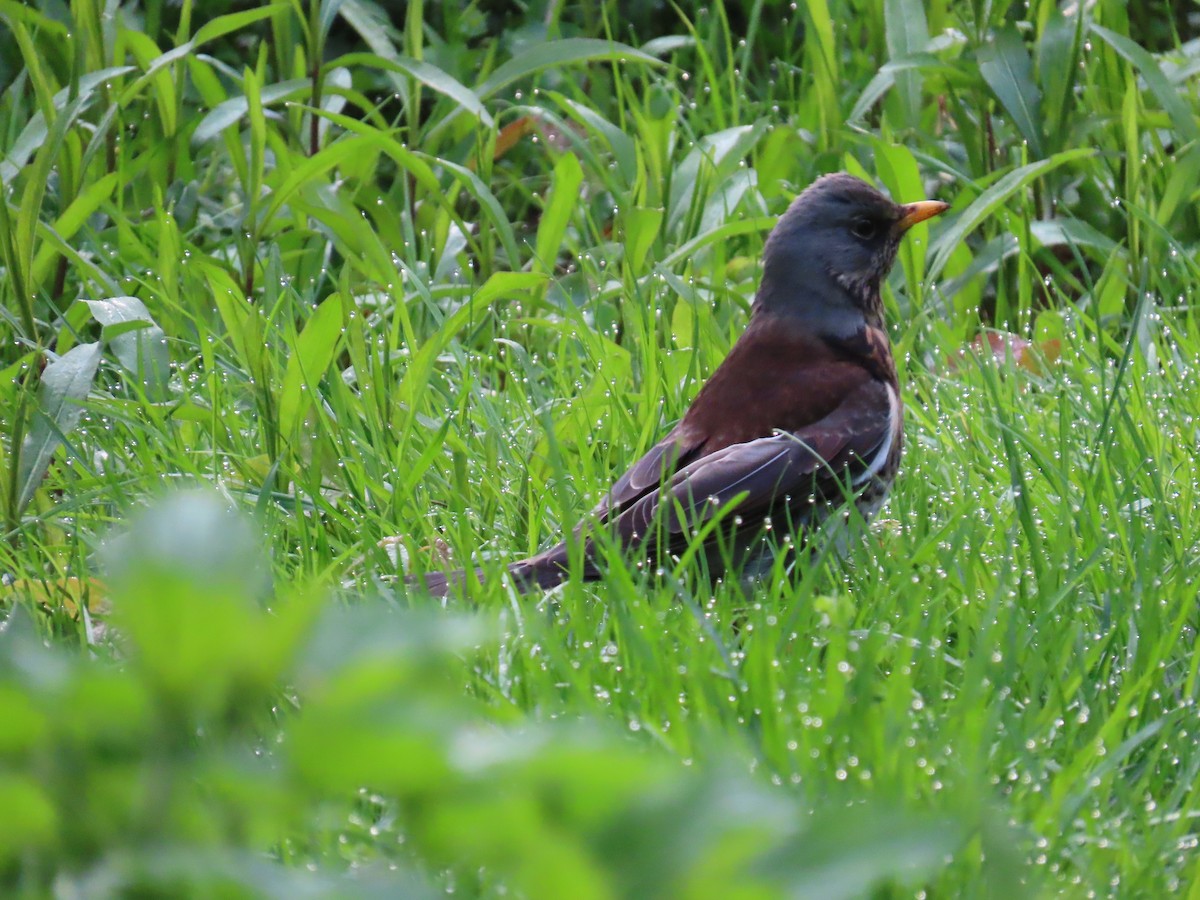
[919,212]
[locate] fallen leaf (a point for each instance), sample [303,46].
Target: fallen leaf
[1032,356]
[512,134]
[69,593]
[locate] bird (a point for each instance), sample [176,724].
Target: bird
[801,419]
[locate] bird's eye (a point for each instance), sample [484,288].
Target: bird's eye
[863,228]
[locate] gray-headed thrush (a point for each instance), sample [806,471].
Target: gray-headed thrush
[803,415]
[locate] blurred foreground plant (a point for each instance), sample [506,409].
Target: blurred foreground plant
[226,735]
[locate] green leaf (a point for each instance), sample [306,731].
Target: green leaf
[210,31]
[234,109]
[723,232]
[36,21]
[223,25]
[845,854]
[1058,69]
[1067,232]
[498,285]
[185,580]
[641,228]
[257,132]
[308,171]
[33,135]
[900,174]
[560,53]
[65,385]
[1005,65]
[147,53]
[488,204]
[821,58]
[372,25]
[714,157]
[662,46]
[991,200]
[328,12]
[72,219]
[139,345]
[544,56]
[311,357]
[556,214]
[1180,187]
[429,75]
[413,163]
[29,818]
[1168,95]
[884,80]
[243,321]
[623,148]
[907,33]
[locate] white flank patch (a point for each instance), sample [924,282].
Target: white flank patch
[885,448]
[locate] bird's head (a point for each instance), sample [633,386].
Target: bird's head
[828,254]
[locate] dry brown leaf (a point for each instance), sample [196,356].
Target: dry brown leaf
[1032,356]
[69,593]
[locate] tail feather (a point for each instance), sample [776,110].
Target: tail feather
[440,584]
[538,573]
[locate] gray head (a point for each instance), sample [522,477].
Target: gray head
[828,254]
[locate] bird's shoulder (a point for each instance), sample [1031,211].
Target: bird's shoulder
[780,378]
[775,379]
[787,470]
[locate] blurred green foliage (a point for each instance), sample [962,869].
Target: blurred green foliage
[411,283]
[218,742]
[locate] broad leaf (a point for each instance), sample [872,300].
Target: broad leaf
[139,345]
[991,200]
[310,359]
[65,385]
[1005,65]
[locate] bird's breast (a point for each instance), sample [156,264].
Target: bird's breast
[770,386]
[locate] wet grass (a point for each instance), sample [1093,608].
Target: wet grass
[427,305]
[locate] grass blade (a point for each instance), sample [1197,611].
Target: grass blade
[1182,117]
[907,34]
[556,215]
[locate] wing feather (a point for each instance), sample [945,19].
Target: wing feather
[808,465]
[660,463]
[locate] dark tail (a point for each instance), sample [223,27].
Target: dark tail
[538,573]
[439,584]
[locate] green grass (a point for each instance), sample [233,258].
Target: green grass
[427,299]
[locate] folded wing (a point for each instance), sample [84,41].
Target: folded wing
[786,472]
